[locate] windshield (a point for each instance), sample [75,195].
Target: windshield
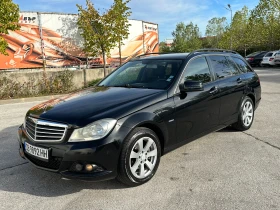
[152,74]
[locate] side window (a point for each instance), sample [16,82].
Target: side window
[221,66]
[197,70]
[232,66]
[241,65]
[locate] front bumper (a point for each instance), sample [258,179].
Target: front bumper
[63,156]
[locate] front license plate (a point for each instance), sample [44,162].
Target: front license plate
[36,151]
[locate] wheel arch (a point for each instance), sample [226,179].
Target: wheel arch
[252,96]
[148,120]
[157,130]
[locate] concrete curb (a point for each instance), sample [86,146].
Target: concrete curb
[31,99]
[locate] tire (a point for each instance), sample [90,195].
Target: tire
[135,165]
[246,115]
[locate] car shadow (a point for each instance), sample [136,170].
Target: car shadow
[227,130]
[18,175]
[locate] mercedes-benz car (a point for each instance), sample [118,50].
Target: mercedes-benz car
[147,107]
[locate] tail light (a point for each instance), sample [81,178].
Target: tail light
[271,59]
[251,59]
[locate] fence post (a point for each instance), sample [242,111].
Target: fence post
[85,77]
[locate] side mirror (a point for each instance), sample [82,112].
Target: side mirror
[191,86]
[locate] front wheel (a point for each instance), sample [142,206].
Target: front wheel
[246,115]
[140,157]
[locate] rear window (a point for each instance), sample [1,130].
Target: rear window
[262,54]
[268,55]
[253,54]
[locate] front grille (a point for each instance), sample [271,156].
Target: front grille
[53,163]
[41,130]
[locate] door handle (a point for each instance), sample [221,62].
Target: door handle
[239,80]
[214,90]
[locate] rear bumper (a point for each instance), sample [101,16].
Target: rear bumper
[64,156]
[271,63]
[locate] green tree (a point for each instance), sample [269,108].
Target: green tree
[9,16]
[96,29]
[240,32]
[186,38]
[266,19]
[163,48]
[214,31]
[119,13]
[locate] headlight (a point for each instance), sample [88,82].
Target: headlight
[93,131]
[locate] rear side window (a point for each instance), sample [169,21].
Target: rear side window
[221,66]
[234,69]
[197,70]
[241,65]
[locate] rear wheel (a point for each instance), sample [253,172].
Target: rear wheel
[246,115]
[139,158]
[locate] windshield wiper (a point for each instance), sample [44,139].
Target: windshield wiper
[129,86]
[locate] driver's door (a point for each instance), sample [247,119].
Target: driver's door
[197,112]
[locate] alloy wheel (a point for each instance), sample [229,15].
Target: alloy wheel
[247,113]
[143,157]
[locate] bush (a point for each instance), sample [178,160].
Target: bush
[94,82]
[57,83]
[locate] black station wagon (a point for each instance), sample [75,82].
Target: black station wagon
[147,107]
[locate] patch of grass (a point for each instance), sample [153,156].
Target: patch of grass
[93,82]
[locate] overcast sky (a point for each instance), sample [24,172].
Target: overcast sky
[167,13]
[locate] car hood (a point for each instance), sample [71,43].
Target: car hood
[83,107]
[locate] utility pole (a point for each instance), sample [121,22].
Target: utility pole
[42,47]
[229,9]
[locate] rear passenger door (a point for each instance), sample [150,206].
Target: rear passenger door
[231,85]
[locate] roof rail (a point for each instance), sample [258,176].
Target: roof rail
[214,50]
[146,54]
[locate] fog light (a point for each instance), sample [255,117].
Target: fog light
[90,167]
[79,167]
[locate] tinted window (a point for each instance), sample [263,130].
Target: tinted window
[241,65]
[268,55]
[262,54]
[198,70]
[234,69]
[253,54]
[221,66]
